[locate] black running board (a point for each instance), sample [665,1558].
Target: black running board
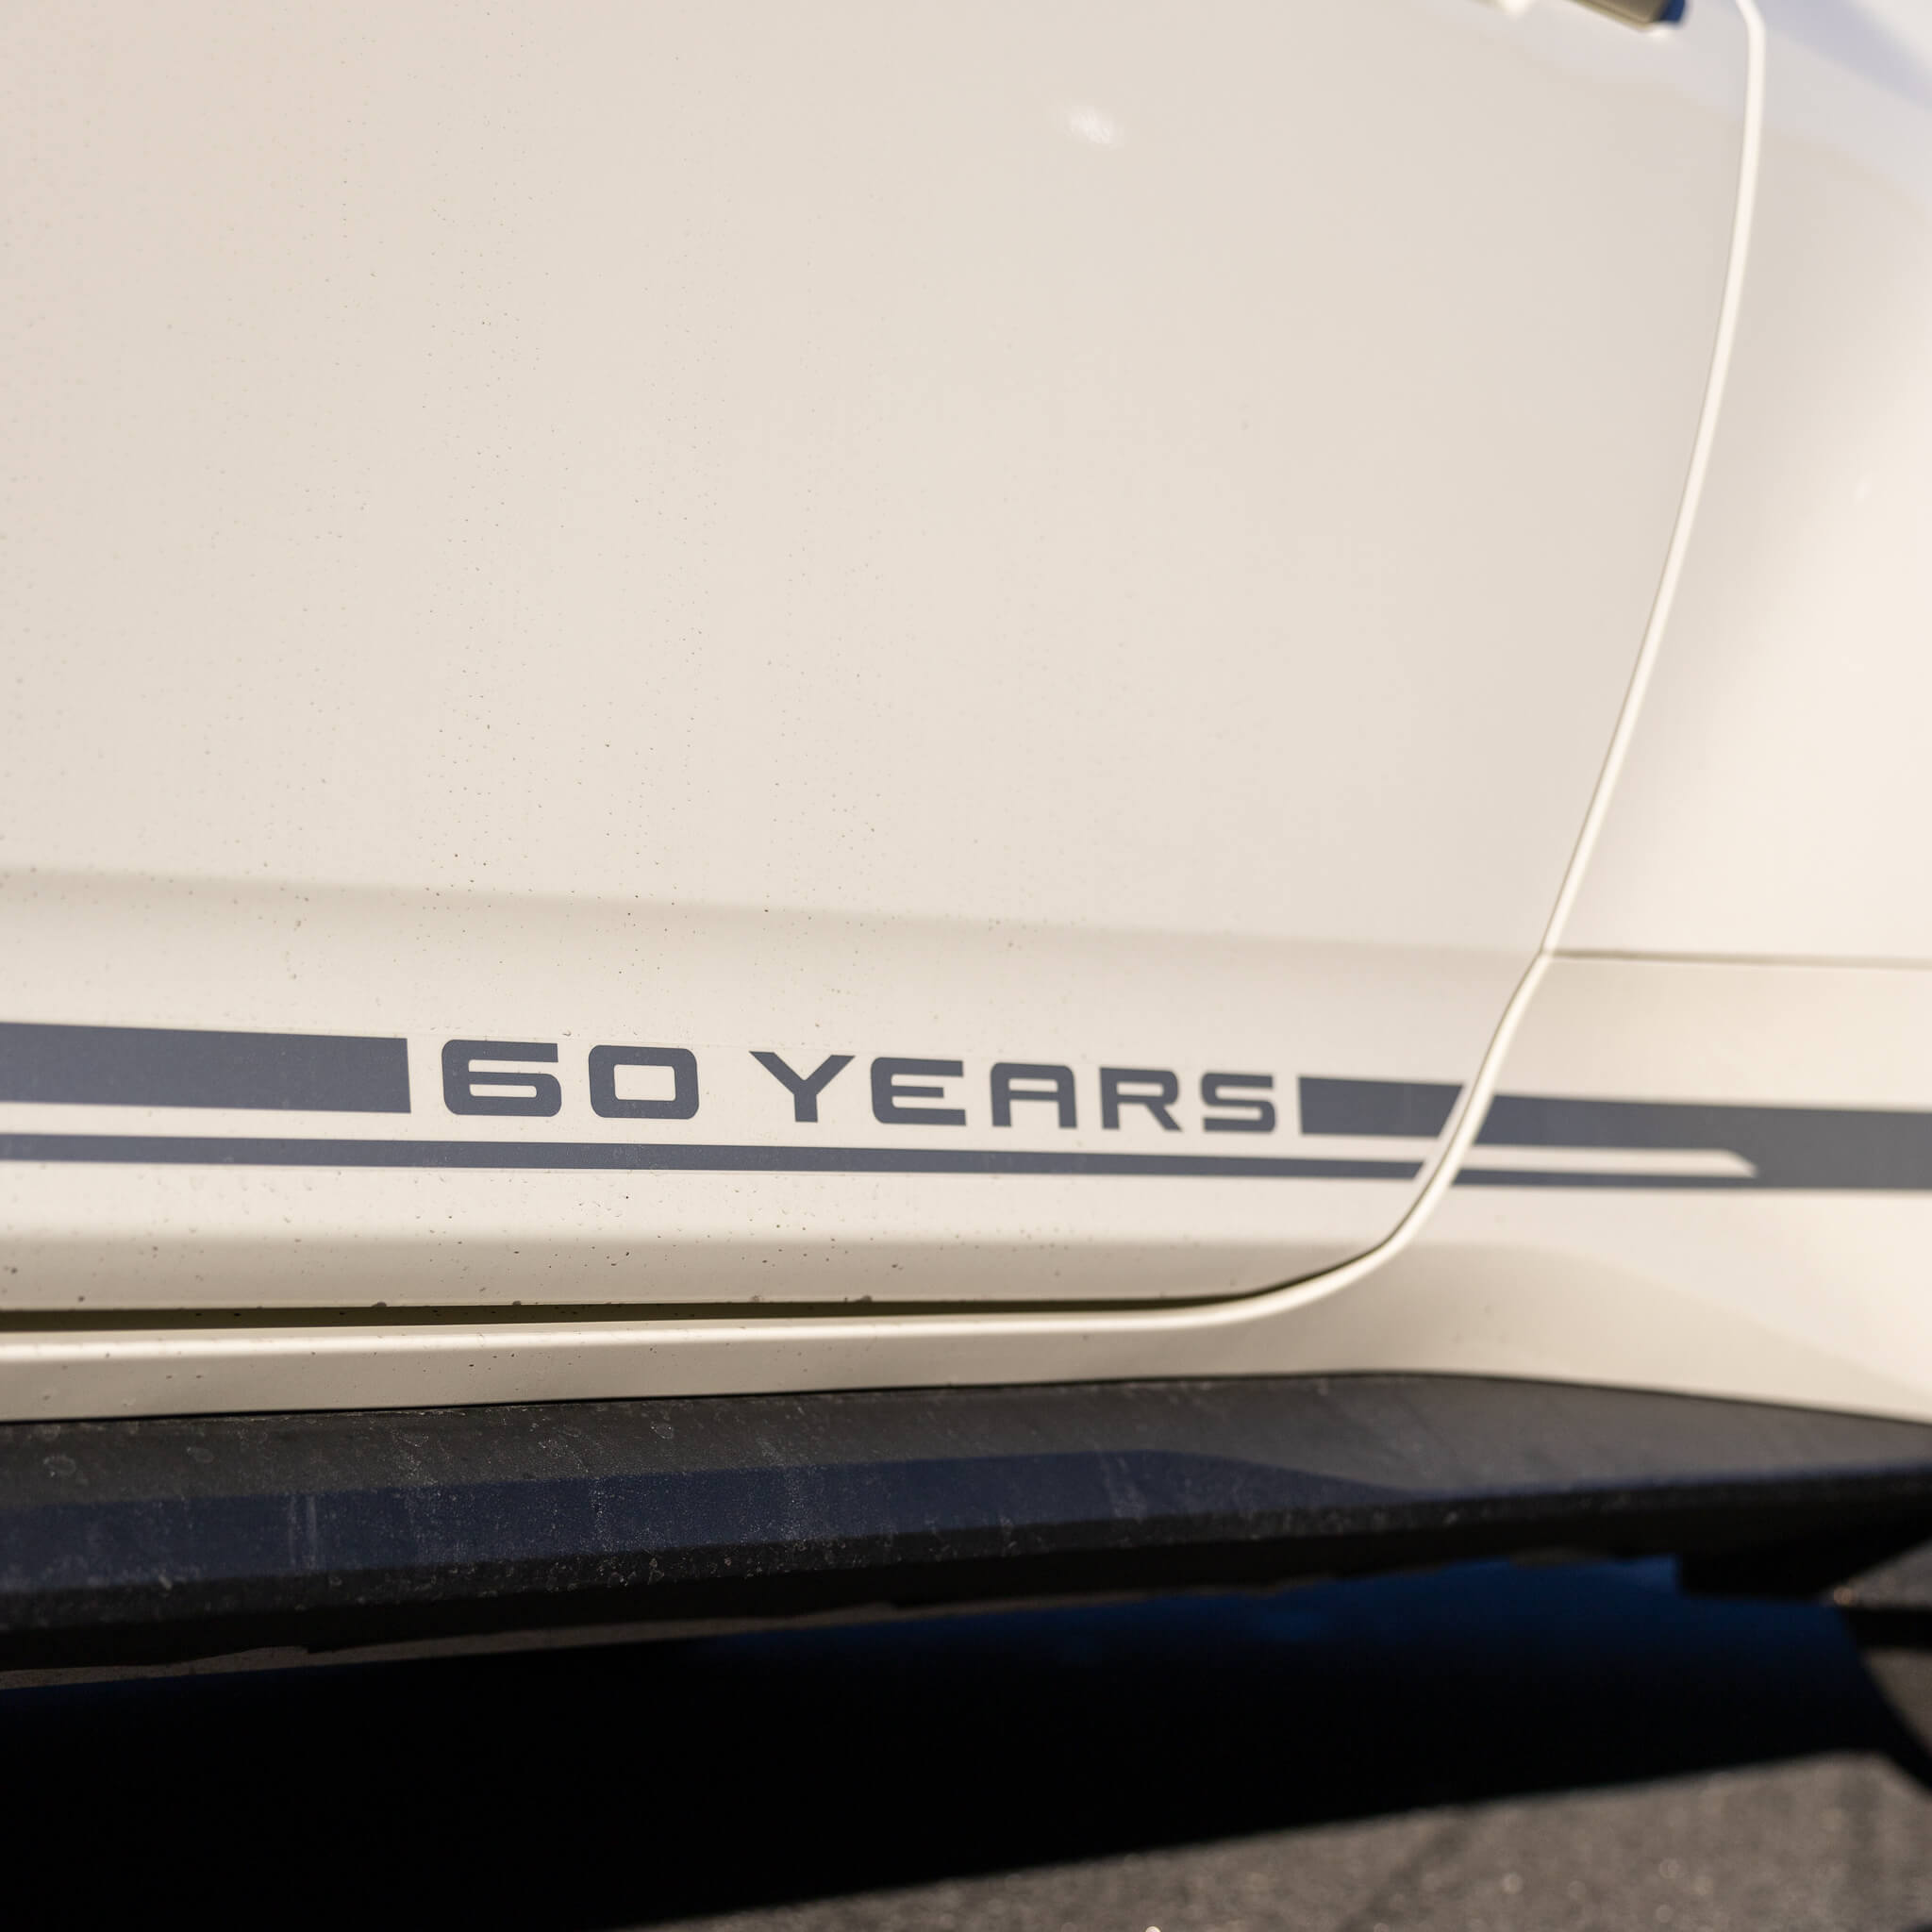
[142,1543]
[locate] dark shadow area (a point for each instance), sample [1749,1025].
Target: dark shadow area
[624,1785]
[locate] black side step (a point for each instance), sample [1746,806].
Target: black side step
[131,1542]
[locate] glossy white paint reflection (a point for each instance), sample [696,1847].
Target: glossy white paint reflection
[1090,125]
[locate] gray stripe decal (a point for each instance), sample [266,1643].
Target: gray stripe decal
[158,1066]
[204,1150]
[1888,1150]
[1883,1150]
[1397,1110]
[1553,1177]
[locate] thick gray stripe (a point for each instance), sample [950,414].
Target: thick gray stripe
[204,1150]
[1394,1109]
[160,1066]
[1867,1149]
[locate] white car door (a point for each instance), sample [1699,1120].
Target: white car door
[744,652]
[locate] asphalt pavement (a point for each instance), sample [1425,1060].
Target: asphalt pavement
[1491,1747]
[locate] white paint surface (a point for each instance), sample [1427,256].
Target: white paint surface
[1102,534]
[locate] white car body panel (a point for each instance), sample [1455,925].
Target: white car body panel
[603,526]
[84,1234]
[1094,539]
[1777,797]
